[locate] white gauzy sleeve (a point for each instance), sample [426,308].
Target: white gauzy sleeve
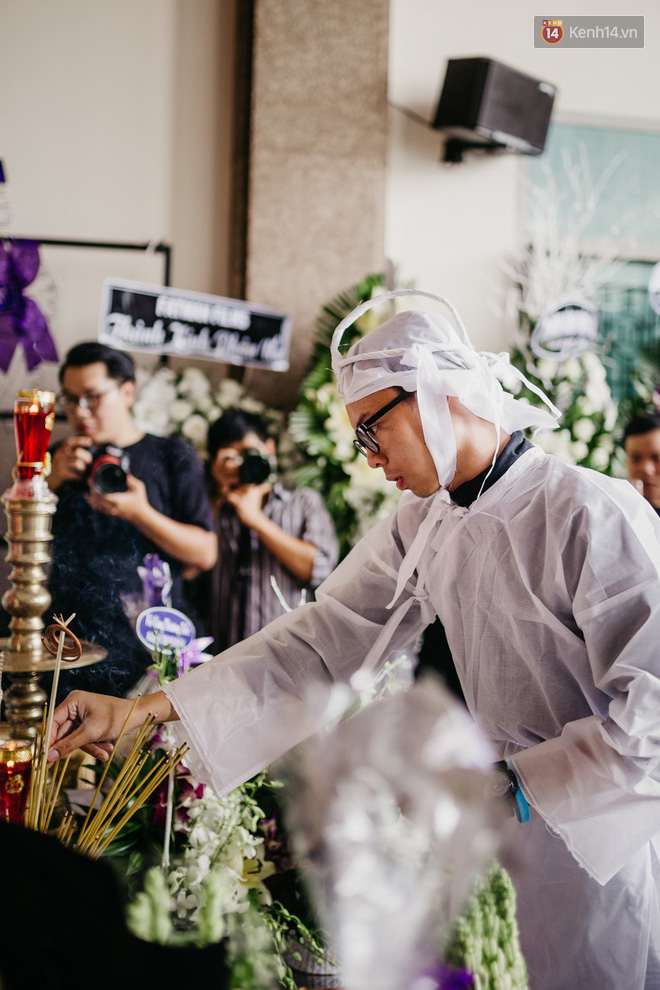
[250,704]
[598,783]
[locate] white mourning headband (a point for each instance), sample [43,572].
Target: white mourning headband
[422,352]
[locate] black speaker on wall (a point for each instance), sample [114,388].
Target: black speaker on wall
[487,105]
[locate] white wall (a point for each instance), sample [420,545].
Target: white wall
[451,227]
[116,126]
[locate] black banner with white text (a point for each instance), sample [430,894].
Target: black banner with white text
[162,320]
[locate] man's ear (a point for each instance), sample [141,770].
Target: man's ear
[127,389]
[270,447]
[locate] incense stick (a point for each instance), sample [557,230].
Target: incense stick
[140,799]
[135,800]
[55,793]
[61,626]
[91,825]
[41,803]
[34,795]
[133,785]
[107,765]
[129,789]
[124,794]
[115,796]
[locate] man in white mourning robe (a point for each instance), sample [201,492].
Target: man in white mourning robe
[547,581]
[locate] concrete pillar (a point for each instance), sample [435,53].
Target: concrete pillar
[313,194]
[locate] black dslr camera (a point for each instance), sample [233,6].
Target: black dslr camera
[255,467]
[107,472]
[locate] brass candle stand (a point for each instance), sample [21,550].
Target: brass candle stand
[29,506]
[28,538]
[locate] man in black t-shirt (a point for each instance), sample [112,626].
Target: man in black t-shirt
[99,540]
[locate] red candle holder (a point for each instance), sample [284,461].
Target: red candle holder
[15,774]
[34,415]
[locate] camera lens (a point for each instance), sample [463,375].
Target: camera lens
[108,476]
[108,472]
[254,468]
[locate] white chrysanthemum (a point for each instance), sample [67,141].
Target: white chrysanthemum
[180,410]
[142,375]
[203,403]
[325,395]
[584,429]
[546,369]
[572,369]
[594,367]
[195,429]
[193,382]
[165,374]
[579,451]
[598,393]
[253,406]
[151,417]
[611,416]
[228,393]
[584,406]
[157,391]
[564,395]
[600,458]
[557,442]
[339,429]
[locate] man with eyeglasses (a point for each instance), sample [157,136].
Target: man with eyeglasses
[100,538]
[547,580]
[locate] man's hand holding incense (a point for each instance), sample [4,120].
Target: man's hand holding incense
[89,721]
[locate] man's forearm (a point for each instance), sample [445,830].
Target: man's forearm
[295,554]
[91,721]
[156,704]
[192,545]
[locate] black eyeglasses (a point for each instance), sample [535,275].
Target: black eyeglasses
[69,403]
[365,441]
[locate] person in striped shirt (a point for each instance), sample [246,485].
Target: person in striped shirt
[265,533]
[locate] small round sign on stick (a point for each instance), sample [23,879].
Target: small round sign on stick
[164,628]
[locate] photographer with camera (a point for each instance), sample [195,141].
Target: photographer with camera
[122,494]
[263,530]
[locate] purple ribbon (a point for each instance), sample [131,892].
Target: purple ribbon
[21,320]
